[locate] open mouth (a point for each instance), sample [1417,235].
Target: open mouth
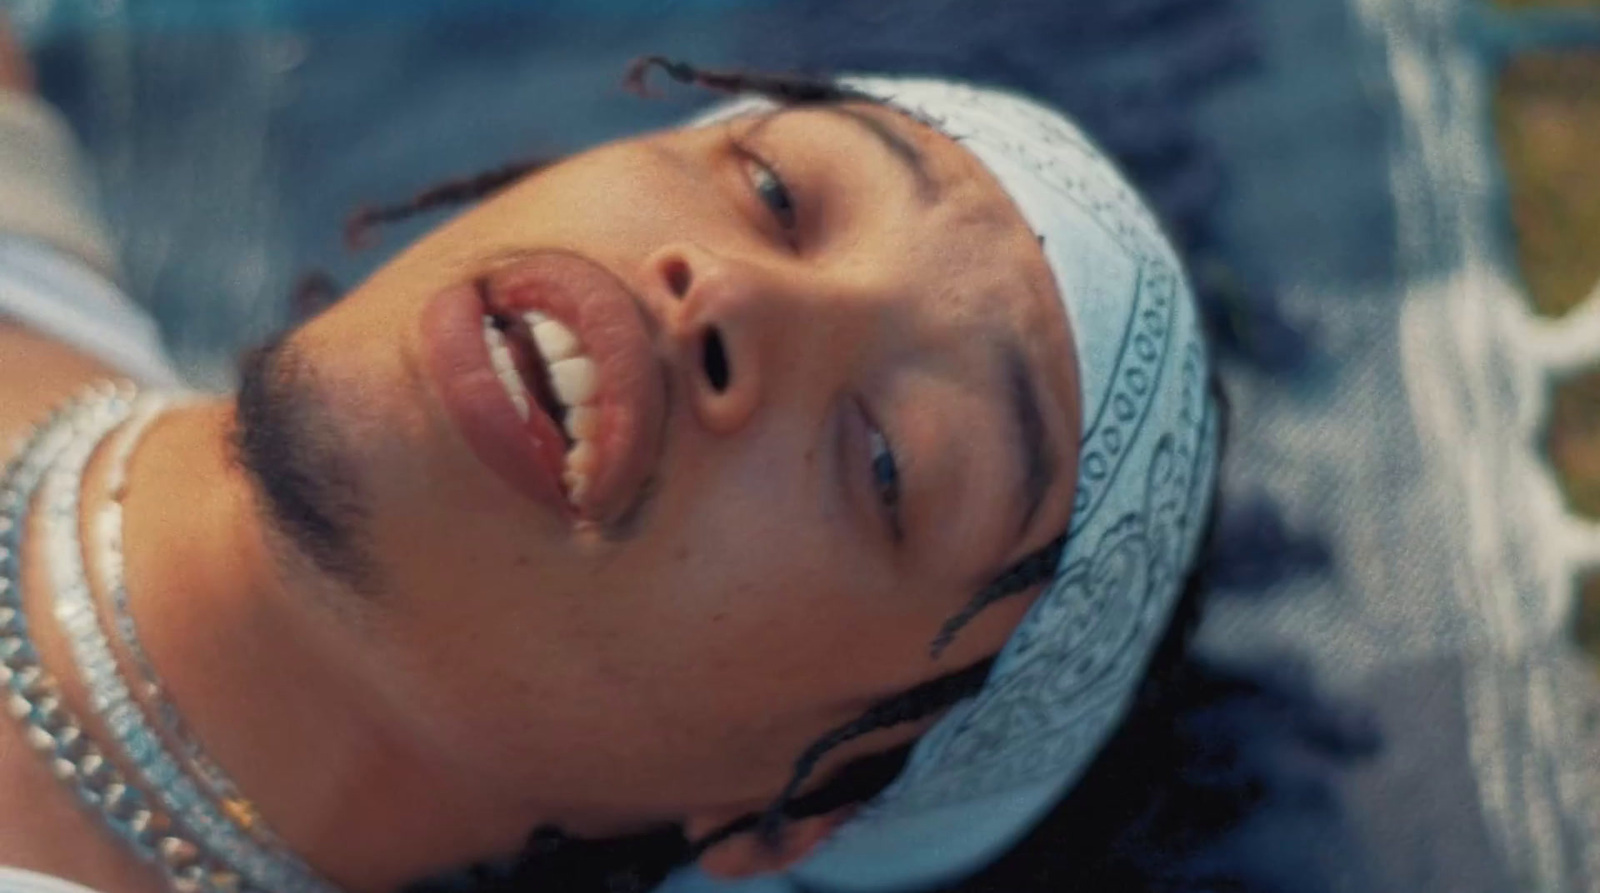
[543,368]
[548,370]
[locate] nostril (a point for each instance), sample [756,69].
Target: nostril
[714,356]
[678,279]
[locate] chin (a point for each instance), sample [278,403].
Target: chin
[294,440]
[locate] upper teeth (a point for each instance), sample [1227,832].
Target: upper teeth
[574,379]
[555,341]
[573,376]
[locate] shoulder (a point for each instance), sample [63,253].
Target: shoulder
[62,324]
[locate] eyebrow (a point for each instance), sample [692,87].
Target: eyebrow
[1037,451]
[903,149]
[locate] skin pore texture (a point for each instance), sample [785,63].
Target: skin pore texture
[470,648]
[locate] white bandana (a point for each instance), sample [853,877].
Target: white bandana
[996,763]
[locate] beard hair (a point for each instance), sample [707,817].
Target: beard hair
[288,444]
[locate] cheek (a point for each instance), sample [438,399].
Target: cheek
[751,584]
[744,561]
[615,205]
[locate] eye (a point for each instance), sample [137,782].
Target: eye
[885,477]
[770,188]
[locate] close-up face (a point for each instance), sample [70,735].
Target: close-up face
[677,454]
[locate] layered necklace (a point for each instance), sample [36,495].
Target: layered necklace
[150,783]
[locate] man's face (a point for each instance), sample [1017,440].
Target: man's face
[821,342]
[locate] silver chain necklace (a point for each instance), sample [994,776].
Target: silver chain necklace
[230,861]
[34,696]
[106,545]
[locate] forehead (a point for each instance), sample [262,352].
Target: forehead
[975,223]
[939,221]
[966,246]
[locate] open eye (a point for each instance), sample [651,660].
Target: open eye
[770,188]
[885,477]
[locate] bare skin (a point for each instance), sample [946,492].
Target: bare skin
[592,700]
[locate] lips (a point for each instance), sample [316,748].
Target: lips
[598,476]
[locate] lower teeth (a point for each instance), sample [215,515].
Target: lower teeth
[505,368]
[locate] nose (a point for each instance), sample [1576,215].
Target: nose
[726,323]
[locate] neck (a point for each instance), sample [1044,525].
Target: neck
[256,655]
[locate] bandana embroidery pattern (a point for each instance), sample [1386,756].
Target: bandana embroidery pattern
[1148,454]
[1074,661]
[1146,468]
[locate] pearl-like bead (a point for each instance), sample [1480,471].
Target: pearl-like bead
[48,709]
[177,852]
[148,826]
[93,767]
[40,740]
[70,743]
[117,800]
[30,681]
[14,651]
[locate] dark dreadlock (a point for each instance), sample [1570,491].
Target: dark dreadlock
[787,89]
[557,860]
[451,193]
[317,290]
[1020,577]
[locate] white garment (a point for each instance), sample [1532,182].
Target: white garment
[61,296]
[15,880]
[56,263]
